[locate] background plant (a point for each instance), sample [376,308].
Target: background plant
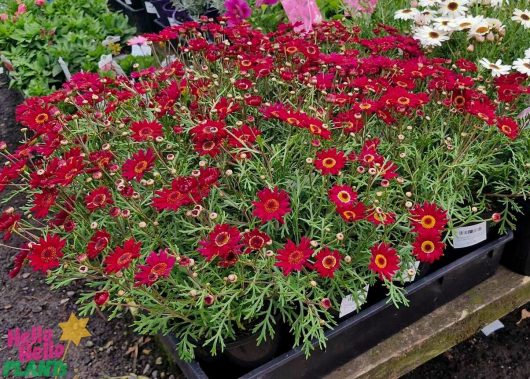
[34,40]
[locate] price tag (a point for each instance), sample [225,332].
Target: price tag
[348,304]
[150,8]
[469,235]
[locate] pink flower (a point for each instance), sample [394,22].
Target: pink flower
[40,3]
[305,12]
[21,9]
[137,40]
[361,6]
[237,11]
[3,16]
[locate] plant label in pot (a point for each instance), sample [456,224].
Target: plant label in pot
[466,236]
[150,8]
[350,303]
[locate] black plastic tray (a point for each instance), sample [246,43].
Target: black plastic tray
[517,255]
[137,16]
[372,325]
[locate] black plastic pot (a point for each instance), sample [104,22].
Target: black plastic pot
[135,13]
[372,325]
[517,254]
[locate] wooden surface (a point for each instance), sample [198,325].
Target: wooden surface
[440,330]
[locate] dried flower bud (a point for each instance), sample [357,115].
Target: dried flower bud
[347,259]
[142,224]
[93,225]
[229,172]
[232,278]
[313,283]
[340,236]
[213,216]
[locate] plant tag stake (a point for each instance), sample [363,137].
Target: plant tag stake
[141,50]
[348,303]
[150,8]
[469,235]
[64,67]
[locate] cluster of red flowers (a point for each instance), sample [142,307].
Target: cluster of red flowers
[123,163]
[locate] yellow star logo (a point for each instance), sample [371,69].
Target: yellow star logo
[74,329]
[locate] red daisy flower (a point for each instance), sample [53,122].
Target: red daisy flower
[43,202]
[8,223]
[255,240]
[146,130]
[508,127]
[327,262]
[384,261]
[342,195]
[220,242]
[244,136]
[428,217]
[209,130]
[378,217]
[98,198]
[293,257]
[122,257]
[271,205]
[136,166]
[353,212]
[45,254]
[175,197]
[99,242]
[330,161]
[428,246]
[157,266]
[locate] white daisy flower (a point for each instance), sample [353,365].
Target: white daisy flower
[453,8]
[497,68]
[522,17]
[425,16]
[428,3]
[464,23]
[522,65]
[480,27]
[445,24]
[491,3]
[406,14]
[429,36]
[495,23]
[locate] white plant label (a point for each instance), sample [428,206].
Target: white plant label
[141,50]
[64,67]
[348,304]
[469,235]
[172,21]
[150,8]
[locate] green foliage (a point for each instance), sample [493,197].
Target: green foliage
[35,40]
